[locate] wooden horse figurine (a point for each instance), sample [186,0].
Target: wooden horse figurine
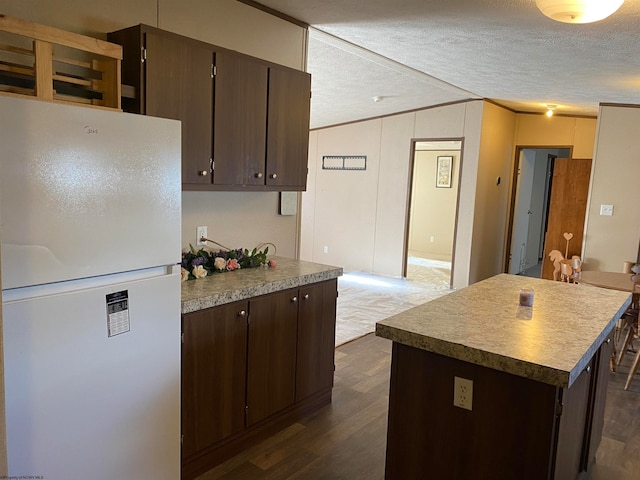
[557,258]
[569,269]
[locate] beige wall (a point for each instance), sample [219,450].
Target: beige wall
[490,215]
[610,241]
[3,423]
[241,219]
[361,216]
[433,210]
[539,130]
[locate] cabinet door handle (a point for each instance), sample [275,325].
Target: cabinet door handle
[608,341]
[258,175]
[306,297]
[294,299]
[242,313]
[273,175]
[202,173]
[588,369]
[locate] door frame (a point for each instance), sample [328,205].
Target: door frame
[513,194]
[407,222]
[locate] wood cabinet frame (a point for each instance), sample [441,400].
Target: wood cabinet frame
[281,348]
[245,120]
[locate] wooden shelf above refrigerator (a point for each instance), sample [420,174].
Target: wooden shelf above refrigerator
[56,65]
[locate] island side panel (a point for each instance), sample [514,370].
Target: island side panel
[510,433]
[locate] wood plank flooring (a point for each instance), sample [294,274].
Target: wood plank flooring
[346,440]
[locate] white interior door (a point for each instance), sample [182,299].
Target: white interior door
[520,232]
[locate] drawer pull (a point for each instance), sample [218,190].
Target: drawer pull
[242,313]
[294,299]
[202,173]
[306,297]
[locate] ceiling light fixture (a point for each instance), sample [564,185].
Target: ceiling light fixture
[378,99]
[578,11]
[550,109]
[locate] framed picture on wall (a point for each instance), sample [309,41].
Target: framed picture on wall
[443,172]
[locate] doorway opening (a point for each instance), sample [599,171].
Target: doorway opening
[530,208]
[432,210]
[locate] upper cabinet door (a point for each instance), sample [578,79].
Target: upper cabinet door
[288,127]
[240,116]
[179,86]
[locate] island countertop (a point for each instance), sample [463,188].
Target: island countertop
[221,288]
[551,342]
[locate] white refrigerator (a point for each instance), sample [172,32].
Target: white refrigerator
[90,227]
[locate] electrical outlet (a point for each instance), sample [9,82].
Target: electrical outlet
[432,239]
[326,249]
[200,233]
[462,393]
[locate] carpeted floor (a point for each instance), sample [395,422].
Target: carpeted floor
[364,299]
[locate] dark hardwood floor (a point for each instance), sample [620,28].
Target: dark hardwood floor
[346,440]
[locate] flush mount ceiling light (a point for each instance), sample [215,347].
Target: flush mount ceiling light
[578,11]
[550,110]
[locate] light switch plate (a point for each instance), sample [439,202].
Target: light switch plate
[606,210]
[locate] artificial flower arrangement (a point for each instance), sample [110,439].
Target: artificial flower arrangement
[203,262]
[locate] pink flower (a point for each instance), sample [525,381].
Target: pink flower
[272,263]
[232,264]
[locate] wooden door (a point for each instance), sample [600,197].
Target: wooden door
[567,209]
[271,371]
[240,119]
[179,86]
[316,338]
[288,127]
[213,375]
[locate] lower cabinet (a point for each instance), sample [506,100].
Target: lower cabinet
[251,368]
[214,360]
[517,428]
[271,365]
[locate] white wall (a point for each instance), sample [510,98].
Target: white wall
[240,219]
[361,216]
[610,241]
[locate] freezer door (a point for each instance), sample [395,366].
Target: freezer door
[83,405]
[85,192]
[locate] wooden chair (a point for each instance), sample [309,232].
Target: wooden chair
[633,311]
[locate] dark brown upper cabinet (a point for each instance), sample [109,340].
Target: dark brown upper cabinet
[240,116]
[288,126]
[245,121]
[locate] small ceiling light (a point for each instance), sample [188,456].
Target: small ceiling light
[550,109]
[378,99]
[578,11]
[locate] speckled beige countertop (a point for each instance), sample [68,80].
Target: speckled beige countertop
[551,342]
[221,288]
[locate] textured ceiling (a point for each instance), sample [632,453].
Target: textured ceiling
[417,53]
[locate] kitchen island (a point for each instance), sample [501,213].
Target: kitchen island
[257,355]
[528,383]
